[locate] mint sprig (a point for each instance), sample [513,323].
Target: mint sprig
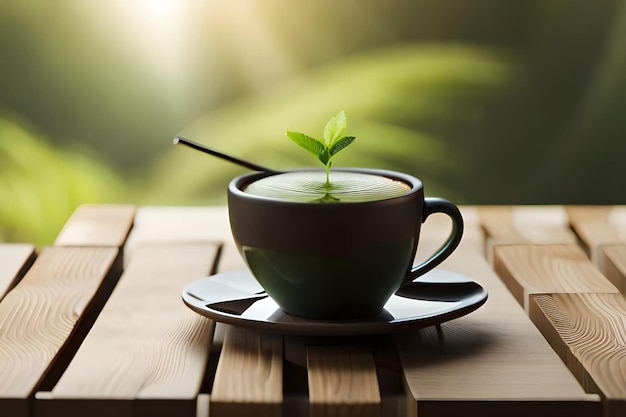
[334,141]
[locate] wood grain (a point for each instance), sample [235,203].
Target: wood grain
[15,259]
[147,354]
[248,380]
[41,313]
[492,362]
[613,265]
[186,225]
[146,351]
[342,381]
[534,269]
[589,333]
[97,225]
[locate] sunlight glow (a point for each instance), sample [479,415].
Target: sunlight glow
[160,10]
[178,42]
[257,53]
[151,35]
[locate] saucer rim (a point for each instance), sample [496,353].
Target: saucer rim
[361,327]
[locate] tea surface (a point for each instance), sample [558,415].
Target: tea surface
[310,186]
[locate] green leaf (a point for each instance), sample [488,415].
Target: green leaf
[334,141]
[324,157]
[340,144]
[312,145]
[335,128]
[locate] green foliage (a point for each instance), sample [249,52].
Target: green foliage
[397,98]
[334,141]
[530,113]
[41,186]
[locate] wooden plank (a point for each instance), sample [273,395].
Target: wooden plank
[536,269]
[97,225]
[613,265]
[597,226]
[438,226]
[342,381]
[147,352]
[248,380]
[506,225]
[186,225]
[492,362]
[526,224]
[38,317]
[580,214]
[15,259]
[589,332]
[615,216]
[617,219]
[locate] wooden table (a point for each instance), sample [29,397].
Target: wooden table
[94,325]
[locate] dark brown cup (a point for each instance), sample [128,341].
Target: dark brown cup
[336,261]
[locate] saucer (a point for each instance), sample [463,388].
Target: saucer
[237,298]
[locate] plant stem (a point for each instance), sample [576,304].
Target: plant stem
[327,185]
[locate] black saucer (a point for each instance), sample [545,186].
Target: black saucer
[237,298]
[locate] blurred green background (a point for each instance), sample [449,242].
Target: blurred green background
[489,102]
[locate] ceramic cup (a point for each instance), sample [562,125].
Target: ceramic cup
[336,260]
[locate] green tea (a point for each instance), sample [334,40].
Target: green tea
[310,186]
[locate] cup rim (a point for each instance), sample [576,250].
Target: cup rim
[237,184]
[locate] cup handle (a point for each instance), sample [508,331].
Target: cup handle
[439,205]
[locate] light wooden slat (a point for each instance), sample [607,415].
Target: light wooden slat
[580,214]
[493,362]
[534,224]
[248,380]
[147,352]
[342,381]
[613,265]
[185,225]
[15,259]
[38,317]
[615,216]
[589,332]
[594,235]
[438,226]
[597,226]
[97,225]
[505,225]
[536,269]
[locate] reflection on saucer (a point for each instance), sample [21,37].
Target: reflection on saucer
[237,298]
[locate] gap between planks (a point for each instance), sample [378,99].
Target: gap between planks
[535,269]
[612,263]
[15,259]
[578,310]
[588,331]
[342,381]
[146,349]
[493,361]
[45,316]
[597,226]
[248,379]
